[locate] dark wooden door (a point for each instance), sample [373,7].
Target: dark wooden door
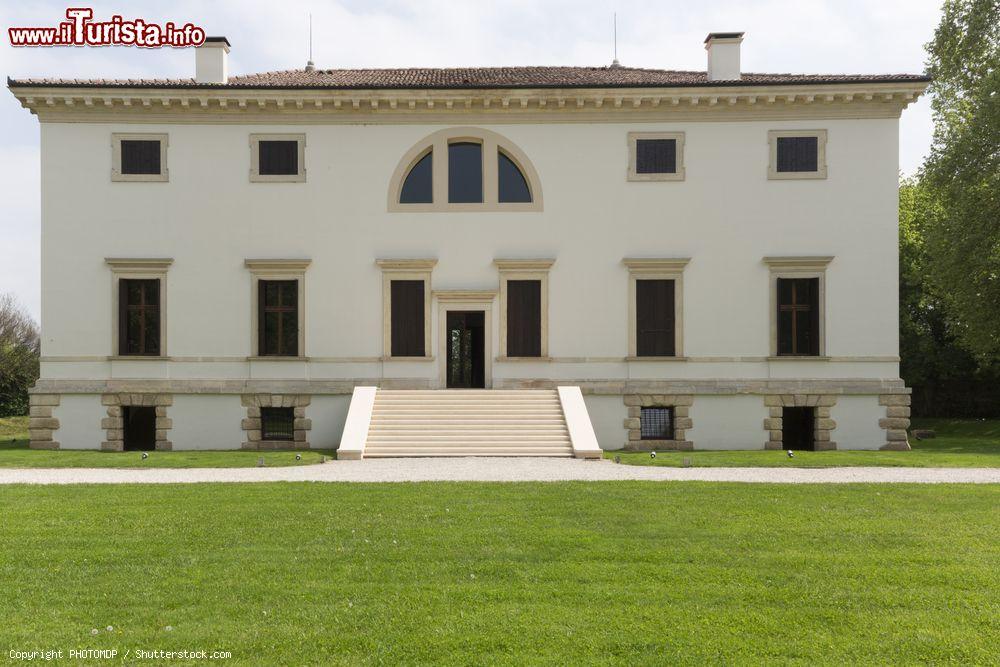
[466,340]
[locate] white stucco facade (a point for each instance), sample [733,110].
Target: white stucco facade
[726,216]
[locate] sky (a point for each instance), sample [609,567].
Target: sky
[799,36]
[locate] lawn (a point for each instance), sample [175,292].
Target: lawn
[558,573]
[14,453]
[960,443]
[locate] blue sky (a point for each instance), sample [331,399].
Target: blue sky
[810,36]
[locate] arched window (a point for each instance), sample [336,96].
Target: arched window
[465,169]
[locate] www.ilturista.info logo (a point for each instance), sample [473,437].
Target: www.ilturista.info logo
[80,30]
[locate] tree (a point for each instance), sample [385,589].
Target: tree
[19,351]
[962,173]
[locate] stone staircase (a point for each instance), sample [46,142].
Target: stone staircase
[467,422]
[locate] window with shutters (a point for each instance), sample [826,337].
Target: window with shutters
[656,289]
[797,154]
[524,306]
[139,317]
[464,169]
[139,157]
[406,308]
[278,313]
[656,156]
[798,316]
[277,158]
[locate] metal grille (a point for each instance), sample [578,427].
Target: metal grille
[657,423]
[140,156]
[798,154]
[277,423]
[656,156]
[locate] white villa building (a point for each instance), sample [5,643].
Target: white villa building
[510,260]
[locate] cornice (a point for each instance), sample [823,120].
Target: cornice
[655,264]
[278,265]
[85,104]
[124,264]
[524,264]
[802,262]
[457,295]
[406,264]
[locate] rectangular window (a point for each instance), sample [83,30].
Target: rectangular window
[798,316]
[656,423]
[277,423]
[406,302]
[139,317]
[654,318]
[465,173]
[279,158]
[524,318]
[140,156]
[656,156]
[798,153]
[278,318]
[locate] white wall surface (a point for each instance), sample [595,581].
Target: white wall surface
[79,418]
[857,422]
[728,422]
[607,415]
[206,422]
[328,414]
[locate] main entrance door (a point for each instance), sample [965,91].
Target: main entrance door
[466,342]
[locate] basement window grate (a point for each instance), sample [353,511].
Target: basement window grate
[657,423]
[277,423]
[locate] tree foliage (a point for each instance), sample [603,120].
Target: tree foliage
[19,351]
[961,177]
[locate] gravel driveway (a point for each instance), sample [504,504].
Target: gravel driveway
[494,470]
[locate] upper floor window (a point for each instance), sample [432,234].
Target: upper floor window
[656,296]
[138,157]
[656,156]
[277,158]
[139,316]
[465,169]
[798,312]
[278,306]
[797,154]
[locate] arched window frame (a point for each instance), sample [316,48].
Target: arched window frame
[491,143]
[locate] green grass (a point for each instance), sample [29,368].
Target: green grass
[14,453]
[560,573]
[959,444]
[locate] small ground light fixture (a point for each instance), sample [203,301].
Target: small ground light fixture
[790,454]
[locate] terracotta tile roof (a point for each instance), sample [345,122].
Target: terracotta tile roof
[478,77]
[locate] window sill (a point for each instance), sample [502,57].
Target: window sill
[656,177]
[277,358]
[798,357]
[631,359]
[407,358]
[796,175]
[137,357]
[504,360]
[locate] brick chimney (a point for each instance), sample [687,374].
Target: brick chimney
[211,61]
[723,55]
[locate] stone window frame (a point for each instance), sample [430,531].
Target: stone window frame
[438,142]
[681,403]
[116,157]
[251,423]
[796,267]
[524,269]
[276,269]
[257,177]
[405,269]
[823,426]
[634,175]
[643,268]
[138,268]
[114,423]
[469,300]
[772,166]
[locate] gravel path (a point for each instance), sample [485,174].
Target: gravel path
[494,470]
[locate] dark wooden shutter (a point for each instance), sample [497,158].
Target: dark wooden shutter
[798,153]
[140,156]
[122,317]
[798,316]
[524,318]
[656,156]
[654,318]
[278,158]
[261,312]
[406,305]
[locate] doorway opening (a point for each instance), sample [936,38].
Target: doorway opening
[140,428]
[465,337]
[798,428]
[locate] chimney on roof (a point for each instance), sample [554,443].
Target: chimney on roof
[723,55]
[211,61]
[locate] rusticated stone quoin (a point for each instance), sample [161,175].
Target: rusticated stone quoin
[823,425]
[896,421]
[114,423]
[252,426]
[41,424]
[681,403]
